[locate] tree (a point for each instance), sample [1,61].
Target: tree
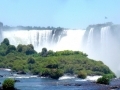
[6,42]
[27,49]
[10,48]
[44,52]
[19,48]
[31,46]
[30,60]
[2,52]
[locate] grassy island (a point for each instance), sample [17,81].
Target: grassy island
[47,62]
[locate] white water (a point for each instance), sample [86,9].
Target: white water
[89,44]
[22,76]
[35,37]
[72,41]
[6,69]
[66,77]
[106,40]
[40,39]
[93,78]
[107,48]
[110,49]
[88,78]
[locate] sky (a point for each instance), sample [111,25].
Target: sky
[63,13]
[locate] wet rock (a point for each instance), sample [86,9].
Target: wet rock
[67,84]
[77,84]
[9,88]
[21,72]
[17,80]
[115,87]
[1,75]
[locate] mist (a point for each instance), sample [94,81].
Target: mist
[101,42]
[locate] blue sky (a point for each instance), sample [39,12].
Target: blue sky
[64,13]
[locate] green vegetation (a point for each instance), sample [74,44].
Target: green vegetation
[8,84]
[105,79]
[47,62]
[6,27]
[82,74]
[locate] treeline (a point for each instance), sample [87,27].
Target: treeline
[6,27]
[30,28]
[47,62]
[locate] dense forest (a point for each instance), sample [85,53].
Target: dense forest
[47,62]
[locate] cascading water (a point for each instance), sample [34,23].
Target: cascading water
[89,45]
[68,39]
[100,42]
[106,40]
[110,49]
[72,40]
[105,46]
[39,38]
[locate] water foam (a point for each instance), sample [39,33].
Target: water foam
[65,77]
[72,40]
[45,38]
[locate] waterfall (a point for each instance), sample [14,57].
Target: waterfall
[66,39]
[39,38]
[72,40]
[90,44]
[110,49]
[104,45]
[106,40]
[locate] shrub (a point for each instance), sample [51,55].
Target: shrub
[8,84]
[56,73]
[110,76]
[45,72]
[103,80]
[82,74]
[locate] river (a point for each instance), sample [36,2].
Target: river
[32,82]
